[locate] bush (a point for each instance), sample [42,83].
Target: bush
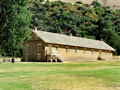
[79,2]
[80,8]
[41,0]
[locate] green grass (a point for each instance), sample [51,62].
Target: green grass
[99,75]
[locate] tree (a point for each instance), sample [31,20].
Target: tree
[113,40]
[82,20]
[96,4]
[103,26]
[79,2]
[14,25]
[41,0]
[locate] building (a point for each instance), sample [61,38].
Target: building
[45,46]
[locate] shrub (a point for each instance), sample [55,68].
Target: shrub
[79,2]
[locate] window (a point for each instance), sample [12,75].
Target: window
[56,48]
[27,47]
[92,52]
[84,51]
[105,53]
[100,52]
[37,38]
[39,47]
[75,50]
[50,48]
[109,53]
[66,49]
[26,57]
[39,57]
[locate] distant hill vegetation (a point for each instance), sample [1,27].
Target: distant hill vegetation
[114,4]
[82,20]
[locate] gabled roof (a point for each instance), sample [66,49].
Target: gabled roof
[55,38]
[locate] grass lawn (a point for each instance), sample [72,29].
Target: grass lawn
[99,75]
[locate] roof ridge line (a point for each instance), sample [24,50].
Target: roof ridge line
[68,36]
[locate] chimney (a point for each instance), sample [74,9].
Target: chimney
[101,40]
[70,34]
[35,28]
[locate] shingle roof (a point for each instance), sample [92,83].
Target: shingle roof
[55,38]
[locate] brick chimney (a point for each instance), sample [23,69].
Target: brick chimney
[70,34]
[101,40]
[35,28]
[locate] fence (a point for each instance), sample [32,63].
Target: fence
[116,57]
[9,59]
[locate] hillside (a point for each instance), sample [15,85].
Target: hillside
[82,20]
[114,4]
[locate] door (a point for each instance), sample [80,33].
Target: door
[26,57]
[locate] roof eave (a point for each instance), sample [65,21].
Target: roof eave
[82,46]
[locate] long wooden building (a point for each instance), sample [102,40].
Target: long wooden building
[45,46]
